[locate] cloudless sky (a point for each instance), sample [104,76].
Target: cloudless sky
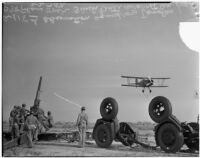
[84,62]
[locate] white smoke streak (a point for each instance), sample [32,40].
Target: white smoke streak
[67,100]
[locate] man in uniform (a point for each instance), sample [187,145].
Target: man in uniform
[82,123]
[14,122]
[50,119]
[32,125]
[23,114]
[13,111]
[39,113]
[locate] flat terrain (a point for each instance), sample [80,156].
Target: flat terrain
[55,148]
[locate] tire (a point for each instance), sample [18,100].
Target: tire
[109,109]
[160,109]
[103,136]
[170,138]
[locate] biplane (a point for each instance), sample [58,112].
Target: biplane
[145,82]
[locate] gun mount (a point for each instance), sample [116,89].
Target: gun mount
[170,133]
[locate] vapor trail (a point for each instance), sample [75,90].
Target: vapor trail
[67,100]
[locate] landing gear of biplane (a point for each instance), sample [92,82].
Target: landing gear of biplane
[159,109]
[109,108]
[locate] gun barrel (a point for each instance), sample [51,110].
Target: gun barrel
[38,91]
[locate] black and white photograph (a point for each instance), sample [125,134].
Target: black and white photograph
[100,79]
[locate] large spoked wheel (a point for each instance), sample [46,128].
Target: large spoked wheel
[109,109]
[159,109]
[169,138]
[103,136]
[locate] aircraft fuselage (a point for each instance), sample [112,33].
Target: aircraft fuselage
[145,83]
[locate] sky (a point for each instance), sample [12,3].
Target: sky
[83,61]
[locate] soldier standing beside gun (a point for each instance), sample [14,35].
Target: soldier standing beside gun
[23,114]
[82,123]
[50,119]
[32,125]
[14,122]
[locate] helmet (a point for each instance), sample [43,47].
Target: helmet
[23,105]
[83,108]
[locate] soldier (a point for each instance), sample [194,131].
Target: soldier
[15,126]
[13,111]
[39,113]
[32,125]
[82,123]
[23,114]
[14,122]
[42,118]
[50,119]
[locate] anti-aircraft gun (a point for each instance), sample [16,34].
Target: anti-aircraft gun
[38,112]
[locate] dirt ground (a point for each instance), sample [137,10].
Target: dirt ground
[71,149]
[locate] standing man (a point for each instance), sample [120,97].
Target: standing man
[23,114]
[32,125]
[50,119]
[82,123]
[14,122]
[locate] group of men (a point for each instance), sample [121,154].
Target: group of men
[29,122]
[33,121]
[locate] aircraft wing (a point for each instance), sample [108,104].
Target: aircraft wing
[133,77]
[134,85]
[158,78]
[158,86]
[130,85]
[161,78]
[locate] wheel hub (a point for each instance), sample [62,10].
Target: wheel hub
[168,138]
[159,109]
[108,108]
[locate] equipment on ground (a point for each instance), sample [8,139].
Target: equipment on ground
[107,129]
[170,133]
